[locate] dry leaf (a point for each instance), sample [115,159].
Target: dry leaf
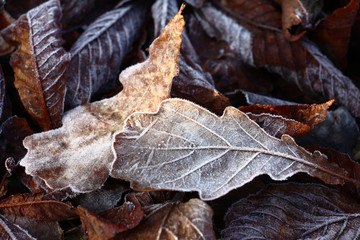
[35,207]
[98,53]
[5,20]
[184,147]
[170,220]
[5,108]
[78,155]
[293,211]
[40,62]
[10,231]
[294,120]
[333,33]
[256,23]
[192,83]
[107,225]
[298,16]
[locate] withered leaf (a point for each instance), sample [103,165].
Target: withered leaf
[170,220]
[333,33]
[41,230]
[192,83]
[98,53]
[294,211]
[108,224]
[79,155]
[5,20]
[10,231]
[298,16]
[252,33]
[187,148]
[40,62]
[294,120]
[35,207]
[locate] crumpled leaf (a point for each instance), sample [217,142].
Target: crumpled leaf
[79,155]
[10,231]
[170,220]
[108,224]
[293,211]
[34,206]
[256,23]
[98,53]
[192,83]
[333,33]
[298,16]
[294,120]
[184,147]
[40,62]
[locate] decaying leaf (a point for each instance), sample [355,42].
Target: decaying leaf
[185,147]
[294,211]
[5,20]
[98,53]
[256,23]
[35,207]
[170,220]
[5,110]
[192,83]
[40,62]
[79,155]
[298,16]
[294,120]
[108,224]
[10,231]
[333,33]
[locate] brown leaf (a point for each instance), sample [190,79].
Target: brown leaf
[35,207]
[79,155]
[190,220]
[344,161]
[293,211]
[298,16]
[192,83]
[257,23]
[184,147]
[294,120]
[98,53]
[41,230]
[39,63]
[5,20]
[333,33]
[107,225]
[10,231]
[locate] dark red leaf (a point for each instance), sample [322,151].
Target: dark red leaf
[10,231]
[39,63]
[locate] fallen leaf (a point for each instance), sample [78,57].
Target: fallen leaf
[10,231]
[294,120]
[107,225]
[192,83]
[298,16]
[184,147]
[40,62]
[79,155]
[293,211]
[170,220]
[5,20]
[35,207]
[333,33]
[40,230]
[98,53]
[257,23]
